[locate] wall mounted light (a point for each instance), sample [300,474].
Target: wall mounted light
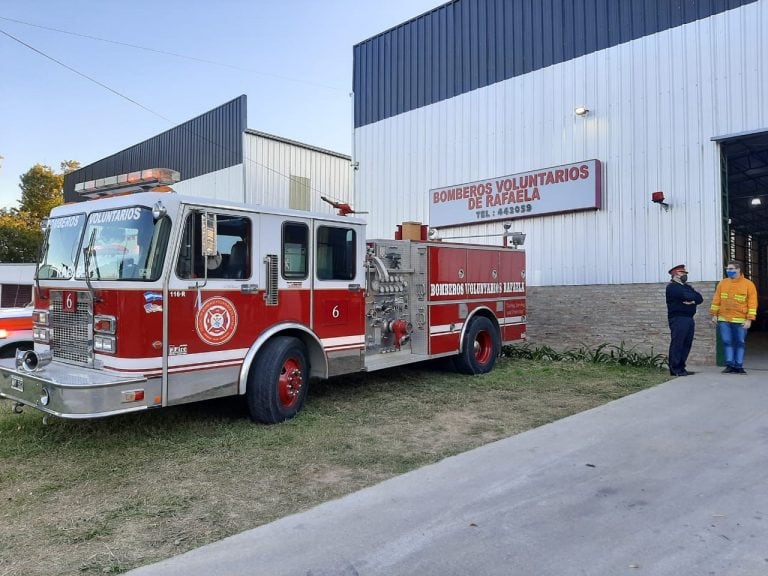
[756,201]
[518,239]
[658,198]
[581,111]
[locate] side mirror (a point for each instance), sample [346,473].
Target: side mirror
[208,234]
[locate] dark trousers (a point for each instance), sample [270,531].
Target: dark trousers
[681,329]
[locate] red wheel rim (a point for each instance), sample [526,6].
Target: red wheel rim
[290,382]
[483,347]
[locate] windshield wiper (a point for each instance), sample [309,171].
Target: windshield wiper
[43,253]
[87,255]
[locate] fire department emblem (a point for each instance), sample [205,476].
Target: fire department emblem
[216,321]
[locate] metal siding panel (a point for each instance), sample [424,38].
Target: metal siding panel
[192,148]
[450,53]
[499,48]
[441,55]
[509,39]
[466,48]
[603,25]
[654,115]
[518,39]
[431,59]
[586,29]
[538,35]
[558,29]
[484,43]
[529,36]
[412,85]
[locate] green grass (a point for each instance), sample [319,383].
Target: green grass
[108,495]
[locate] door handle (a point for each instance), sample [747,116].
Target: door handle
[249,288]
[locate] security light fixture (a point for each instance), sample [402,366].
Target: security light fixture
[756,201]
[581,111]
[517,238]
[658,198]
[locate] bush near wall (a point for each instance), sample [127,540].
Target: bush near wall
[630,315]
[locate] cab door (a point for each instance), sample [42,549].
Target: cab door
[338,307]
[213,305]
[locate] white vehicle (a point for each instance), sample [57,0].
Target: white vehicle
[15,330]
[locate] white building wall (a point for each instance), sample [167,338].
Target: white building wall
[655,104]
[271,162]
[225,184]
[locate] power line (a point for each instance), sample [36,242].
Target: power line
[175,54]
[140,105]
[60,63]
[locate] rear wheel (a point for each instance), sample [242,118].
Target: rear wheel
[481,346]
[277,383]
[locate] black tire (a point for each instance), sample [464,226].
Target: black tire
[481,347]
[278,381]
[10,350]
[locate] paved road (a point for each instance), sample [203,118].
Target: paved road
[670,481]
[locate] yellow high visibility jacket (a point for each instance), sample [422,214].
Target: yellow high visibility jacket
[735,300]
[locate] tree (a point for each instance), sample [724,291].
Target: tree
[20,236]
[41,191]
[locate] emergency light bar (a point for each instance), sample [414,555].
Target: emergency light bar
[140,181]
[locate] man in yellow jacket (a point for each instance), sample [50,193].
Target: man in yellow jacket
[733,308]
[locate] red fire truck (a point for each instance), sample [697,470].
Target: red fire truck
[146,299]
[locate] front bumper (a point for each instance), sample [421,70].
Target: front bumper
[76,392]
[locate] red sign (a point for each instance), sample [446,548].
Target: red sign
[69,301]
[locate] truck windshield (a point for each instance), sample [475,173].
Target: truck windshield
[60,252]
[128,244]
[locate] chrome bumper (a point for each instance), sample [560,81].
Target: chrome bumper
[76,392]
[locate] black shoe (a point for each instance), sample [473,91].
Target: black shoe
[686,373]
[739,371]
[729,370]
[679,373]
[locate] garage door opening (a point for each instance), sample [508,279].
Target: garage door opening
[744,167]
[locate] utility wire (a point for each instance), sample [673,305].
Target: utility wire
[132,101]
[175,54]
[60,63]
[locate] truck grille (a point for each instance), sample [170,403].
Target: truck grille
[72,331]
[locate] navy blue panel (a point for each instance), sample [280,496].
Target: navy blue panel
[210,142]
[467,44]
[516,26]
[500,63]
[480,61]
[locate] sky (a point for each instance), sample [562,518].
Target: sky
[291,58]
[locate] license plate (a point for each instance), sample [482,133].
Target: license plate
[17,383]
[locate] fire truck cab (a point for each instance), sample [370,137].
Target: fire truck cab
[153,299]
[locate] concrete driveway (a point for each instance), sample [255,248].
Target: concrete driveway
[669,481]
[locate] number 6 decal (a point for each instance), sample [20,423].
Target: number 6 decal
[335,313]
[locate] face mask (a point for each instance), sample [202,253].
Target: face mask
[731,273]
[683,278]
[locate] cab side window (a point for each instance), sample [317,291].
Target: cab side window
[295,247]
[335,253]
[232,259]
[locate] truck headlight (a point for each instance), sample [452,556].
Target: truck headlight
[104,344]
[42,335]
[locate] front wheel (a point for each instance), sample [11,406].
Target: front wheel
[277,383]
[481,347]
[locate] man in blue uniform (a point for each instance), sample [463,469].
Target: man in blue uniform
[682,300]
